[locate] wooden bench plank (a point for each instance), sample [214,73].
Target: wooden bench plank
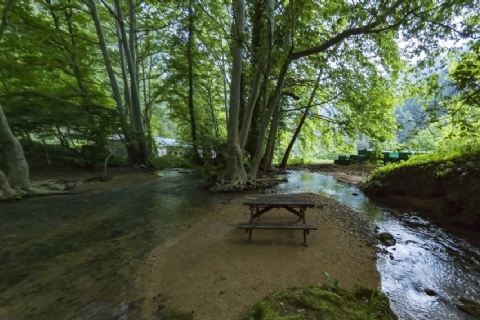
[297,226]
[280,201]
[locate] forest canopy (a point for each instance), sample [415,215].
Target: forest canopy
[243,83]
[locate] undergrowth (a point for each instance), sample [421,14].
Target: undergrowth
[324,301]
[439,166]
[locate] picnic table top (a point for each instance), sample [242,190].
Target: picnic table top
[280,201]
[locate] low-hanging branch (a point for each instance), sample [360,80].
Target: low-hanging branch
[291,95]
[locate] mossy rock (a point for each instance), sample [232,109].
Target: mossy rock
[323,302]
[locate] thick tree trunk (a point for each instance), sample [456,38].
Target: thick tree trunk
[275,99]
[7,191]
[139,131]
[261,69]
[283,165]
[17,167]
[235,171]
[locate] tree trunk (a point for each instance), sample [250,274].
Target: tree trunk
[274,101]
[17,166]
[7,191]
[123,65]
[235,171]
[260,70]
[224,84]
[212,110]
[139,131]
[193,126]
[111,75]
[283,165]
[266,163]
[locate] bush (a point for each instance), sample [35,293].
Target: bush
[171,161]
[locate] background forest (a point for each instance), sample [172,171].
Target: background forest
[245,85]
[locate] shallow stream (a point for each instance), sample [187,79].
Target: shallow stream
[424,258]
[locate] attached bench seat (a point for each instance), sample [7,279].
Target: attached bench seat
[297,226]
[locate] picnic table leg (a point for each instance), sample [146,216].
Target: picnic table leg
[304,218]
[258,216]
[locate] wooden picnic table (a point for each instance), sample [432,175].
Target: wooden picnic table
[261,205]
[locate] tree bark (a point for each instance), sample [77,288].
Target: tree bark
[235,171]
[123,65]
[274,101]
[17,166]
[193,126]
[283,164]
[266,162]
[260,70]
[7,191]
[133,152]
[139,131]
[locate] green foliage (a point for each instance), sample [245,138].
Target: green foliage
[171,161]
[376,157]
[442,165]
[55,86]
[323,302]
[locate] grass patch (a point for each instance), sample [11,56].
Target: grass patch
[323,302]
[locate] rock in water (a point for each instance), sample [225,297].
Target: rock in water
[387,239]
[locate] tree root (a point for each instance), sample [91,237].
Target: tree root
[245,184]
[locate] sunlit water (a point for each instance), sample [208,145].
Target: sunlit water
[75,257]
[424,257]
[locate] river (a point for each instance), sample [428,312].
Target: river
[75,256]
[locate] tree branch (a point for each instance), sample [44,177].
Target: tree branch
[369,28]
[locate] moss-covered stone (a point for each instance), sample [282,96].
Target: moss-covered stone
[322,302]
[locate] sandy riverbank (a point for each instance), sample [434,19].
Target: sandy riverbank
[213,272]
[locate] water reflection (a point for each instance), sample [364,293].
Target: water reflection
[425,257]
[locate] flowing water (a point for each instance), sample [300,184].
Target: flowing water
[424,258]
[75,257]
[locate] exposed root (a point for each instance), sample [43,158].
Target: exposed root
[246,184]
[232,186]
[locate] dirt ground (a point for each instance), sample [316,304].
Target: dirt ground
[213,271]
[353,173]
[80,180]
